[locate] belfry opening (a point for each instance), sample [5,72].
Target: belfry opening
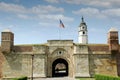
[59,68]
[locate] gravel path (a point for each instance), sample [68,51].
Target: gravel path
[60,78]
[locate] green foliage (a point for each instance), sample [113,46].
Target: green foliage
[21,78]
[104,77]
[85,78]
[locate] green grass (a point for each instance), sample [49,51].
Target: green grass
[85,79]
[106,77]
[20,78]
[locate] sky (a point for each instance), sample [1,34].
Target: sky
[36,21]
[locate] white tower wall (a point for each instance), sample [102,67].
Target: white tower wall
[83,39]
[83,33]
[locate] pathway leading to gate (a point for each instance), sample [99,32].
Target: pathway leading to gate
[59,78]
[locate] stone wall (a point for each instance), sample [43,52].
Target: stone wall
[81,61]
[81,66]
[20,64]
[12,65]
[102,64]
[1,64]
[90,60]
[60,49]
[39,66]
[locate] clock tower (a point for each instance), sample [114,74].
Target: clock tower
[83,33]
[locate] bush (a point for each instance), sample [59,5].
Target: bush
[21,78]
[104,77]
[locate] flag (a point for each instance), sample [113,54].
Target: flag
[61,24]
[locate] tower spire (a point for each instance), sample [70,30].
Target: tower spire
[82,19]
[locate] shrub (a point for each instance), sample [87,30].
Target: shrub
[21,78]
[104,77]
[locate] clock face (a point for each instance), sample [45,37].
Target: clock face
[83,27]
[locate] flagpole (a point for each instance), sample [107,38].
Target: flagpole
[62,26]
[59,34]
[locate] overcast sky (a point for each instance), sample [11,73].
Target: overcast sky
[36,21]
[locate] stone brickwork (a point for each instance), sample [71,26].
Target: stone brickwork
[64,50]
[1,64]
[79,60]
[102,64]
[20,64]
[39,66]
[7,41]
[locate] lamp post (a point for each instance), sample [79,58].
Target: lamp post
[32,67]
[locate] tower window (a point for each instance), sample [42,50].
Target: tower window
[83,32]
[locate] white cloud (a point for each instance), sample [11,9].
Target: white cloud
[39,12]
[5,26]
[90,12]
[95,30]
[91,3]
[87,11]
[53,20]
[95,3]
[47,24]
[97,13]
[52,1]
[112,12]
[23,16]
[17,1]
[55,17]
[12,8]
[46,9]
[100,3]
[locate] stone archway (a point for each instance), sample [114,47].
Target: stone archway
[59,68]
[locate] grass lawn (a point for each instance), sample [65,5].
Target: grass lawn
[85,79]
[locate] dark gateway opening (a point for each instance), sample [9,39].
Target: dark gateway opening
[59,68]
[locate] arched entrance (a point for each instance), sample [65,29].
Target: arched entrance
[59,68]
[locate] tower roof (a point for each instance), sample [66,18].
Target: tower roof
[82,22]
[113,29]
[7,30]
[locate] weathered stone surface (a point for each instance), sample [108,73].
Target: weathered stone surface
[82,60]
[81,49]
[39,66]
[81,66]
[60,42]
[106,67]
